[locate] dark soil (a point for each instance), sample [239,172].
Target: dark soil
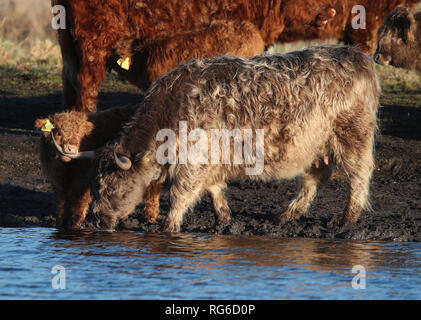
[26,199]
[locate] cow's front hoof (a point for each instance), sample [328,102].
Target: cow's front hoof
[171,227]
[224,216]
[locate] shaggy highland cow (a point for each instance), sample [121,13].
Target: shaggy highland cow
[96,29]
[66,163]
[310,103]
[399,40]
[153,58]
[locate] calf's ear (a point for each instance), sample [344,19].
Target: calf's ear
[87,127]
[44,125]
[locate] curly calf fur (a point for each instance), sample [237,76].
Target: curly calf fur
[75,132]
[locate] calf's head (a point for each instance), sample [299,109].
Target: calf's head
[397,38]
[66,132]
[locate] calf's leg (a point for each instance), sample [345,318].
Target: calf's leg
[77,204]
[152,194]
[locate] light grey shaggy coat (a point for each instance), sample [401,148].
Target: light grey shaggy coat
[314,102]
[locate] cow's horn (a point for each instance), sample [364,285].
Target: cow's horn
[79,155]
[122,162]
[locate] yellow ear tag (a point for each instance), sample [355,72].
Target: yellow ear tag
[48,126]
[124,63]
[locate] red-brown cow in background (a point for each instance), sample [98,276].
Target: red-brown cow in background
[95,28]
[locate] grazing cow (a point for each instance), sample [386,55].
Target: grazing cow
[96,29]
[158,55]
[399,40]
[310,103]
[65,137]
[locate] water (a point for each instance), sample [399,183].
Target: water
[131,265]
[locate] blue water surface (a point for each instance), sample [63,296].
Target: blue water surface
[133,265]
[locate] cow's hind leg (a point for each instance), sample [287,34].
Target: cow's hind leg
[309,183]
[358,166]
[220,203]
[354,153]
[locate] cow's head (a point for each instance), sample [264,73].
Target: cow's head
[66,132]
[396,37]
[118,183]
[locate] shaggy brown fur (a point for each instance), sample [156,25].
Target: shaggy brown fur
[399,41]
[307,19]
[96,28]
[158,55]
[75,132]
[310,103]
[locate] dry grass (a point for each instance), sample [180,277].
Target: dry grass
[27,39]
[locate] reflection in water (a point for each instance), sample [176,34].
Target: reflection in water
[127,264]
[314,254]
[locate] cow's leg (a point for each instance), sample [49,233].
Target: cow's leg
[70,93]
[353,150]
[358,166]
[220,203]
[92,73]
[152,194]
[70,70]
[309,183]
[184,192]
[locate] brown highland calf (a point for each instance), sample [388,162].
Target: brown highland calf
[153,58]
[96,29]
[399,40]
[67,165]
[310,103]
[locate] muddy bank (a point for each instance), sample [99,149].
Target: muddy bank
[26,198]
